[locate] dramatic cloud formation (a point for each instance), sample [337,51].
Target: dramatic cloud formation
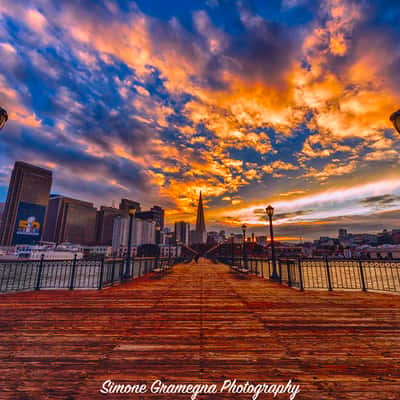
[250,101]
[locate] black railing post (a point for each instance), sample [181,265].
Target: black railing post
[288,263]
[300,275]
[363,286]
[121,269]
[112,271]
[39,274]
[280,270]
[71,282]
[100,285]
[328,274]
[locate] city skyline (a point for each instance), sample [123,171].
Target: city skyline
[156,214]
[156,103]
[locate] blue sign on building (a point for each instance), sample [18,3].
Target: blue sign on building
[29,224]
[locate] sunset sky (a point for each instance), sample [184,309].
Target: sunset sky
[253,102]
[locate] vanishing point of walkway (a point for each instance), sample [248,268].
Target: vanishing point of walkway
[199,323]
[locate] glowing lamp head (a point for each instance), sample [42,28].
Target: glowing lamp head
[395,118]
[270,211]
[3,117]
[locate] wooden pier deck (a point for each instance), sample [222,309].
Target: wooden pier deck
[199,323]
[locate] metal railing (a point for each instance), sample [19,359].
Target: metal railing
[325,273]
[20,275]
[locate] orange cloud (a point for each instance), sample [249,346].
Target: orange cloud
[335,85]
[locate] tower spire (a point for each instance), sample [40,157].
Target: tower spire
[200,233]
[200,220]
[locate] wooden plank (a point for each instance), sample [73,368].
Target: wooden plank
[199,323]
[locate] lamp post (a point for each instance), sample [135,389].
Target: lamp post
[169,236]
[266,243]
[158,240]
[270,212]
[395,118]
[132,212]
[3,117]
[158,234]
[244,227]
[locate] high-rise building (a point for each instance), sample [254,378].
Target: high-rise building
[127,204]
[182,232]
[143,232]
[155,214]
[2,205]
[70,220]
[158,215]
[105,224]
[343,234]
[212,237]
[24,213]
[200,220]
[199,235]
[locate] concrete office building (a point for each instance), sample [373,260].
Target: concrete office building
[105,224]
[156,214]
[127,204]
[24,214]
[2,205]
[182,232]
[143,232]
[70,220]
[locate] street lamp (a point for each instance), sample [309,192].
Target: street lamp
[395,118]
[244,227]
[158,234]
[169,236]
[132,212]
[158,241]
[3,117]
[270,212]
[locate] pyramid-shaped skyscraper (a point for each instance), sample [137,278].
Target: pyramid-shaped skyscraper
[200,233]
